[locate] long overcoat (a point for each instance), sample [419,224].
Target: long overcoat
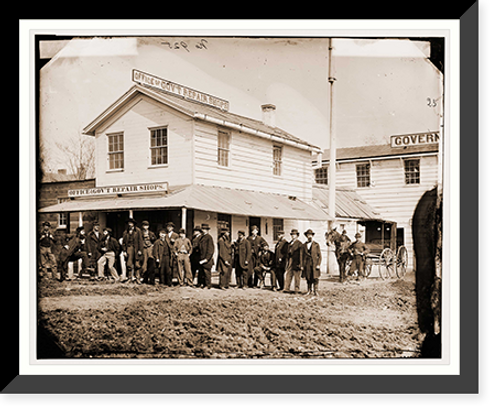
[312,260]
[207,251]
[280,253]
[224,248]
[244,253]
[295,256]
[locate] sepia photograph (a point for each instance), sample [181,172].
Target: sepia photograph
[240,197]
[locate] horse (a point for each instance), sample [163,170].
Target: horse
[342,253]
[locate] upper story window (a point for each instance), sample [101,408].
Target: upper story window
[223,148]
[159,146]
[321,175]
[115,151]
[412,171]
[363,178]
[277,160]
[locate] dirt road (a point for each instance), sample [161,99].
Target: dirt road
[97,319]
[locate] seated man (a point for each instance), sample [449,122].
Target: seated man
[265,263]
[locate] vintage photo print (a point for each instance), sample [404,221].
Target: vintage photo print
[238,198]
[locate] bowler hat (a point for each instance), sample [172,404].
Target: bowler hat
[108,230]
[241,232]
[132,220]
[162,230]
[358,235]
[205,226]
[170,224]
[294,231]
[280,232]
[197,228]
[309,232]
[254,227]
[46,224]
[145,222]
[182,230]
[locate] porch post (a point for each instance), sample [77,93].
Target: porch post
[80,219]
[184,219]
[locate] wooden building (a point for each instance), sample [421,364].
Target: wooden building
[165,152]
[390,178]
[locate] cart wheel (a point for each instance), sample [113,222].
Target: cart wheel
[368,267]
[401,261]
[386,264]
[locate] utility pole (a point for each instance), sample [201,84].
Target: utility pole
[333,155]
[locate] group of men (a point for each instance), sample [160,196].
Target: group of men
[172,255]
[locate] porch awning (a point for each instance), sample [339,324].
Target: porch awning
[205,198]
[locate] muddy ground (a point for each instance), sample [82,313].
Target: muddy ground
[376,319]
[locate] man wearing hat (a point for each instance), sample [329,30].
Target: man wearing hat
[182,250]
[242,252]
[195,256]
[162,255]
[148,264]
[312,262]
[47,258]
[257,244]
[280,256]
[206,255]
[294,265]
[171,238]
[224,258]
[93,242]
[109,249]
[358,250]
[74,251]
[133,246]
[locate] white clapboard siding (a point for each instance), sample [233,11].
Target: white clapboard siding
[250,164]
[134,121]
[389,194]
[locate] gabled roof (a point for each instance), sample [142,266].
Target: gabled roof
[199,111]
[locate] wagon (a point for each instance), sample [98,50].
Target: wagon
[387,253]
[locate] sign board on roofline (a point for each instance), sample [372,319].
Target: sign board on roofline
[118,190]
[415,139]
[144,78]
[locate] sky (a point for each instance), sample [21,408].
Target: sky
[382,88]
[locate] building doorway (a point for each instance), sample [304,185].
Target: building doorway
[253,221]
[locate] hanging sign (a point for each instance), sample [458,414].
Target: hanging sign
[118,190]
[144,78]
[414,139]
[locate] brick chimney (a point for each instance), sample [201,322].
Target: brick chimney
[269,115]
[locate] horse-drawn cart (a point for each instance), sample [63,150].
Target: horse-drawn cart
[385,253]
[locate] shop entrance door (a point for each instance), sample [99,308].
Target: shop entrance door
[253,221]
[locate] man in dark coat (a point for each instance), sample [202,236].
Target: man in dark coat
[242,253]
[206,255]
[109,250]
[265,264]
[132,247]
[280,256]
[257,243]
[93,245]
[148,264]
[312,263]
[195,256]
[358,250]
[74,251]
[294,265]
[171,238]
[224,259]
[162,255]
